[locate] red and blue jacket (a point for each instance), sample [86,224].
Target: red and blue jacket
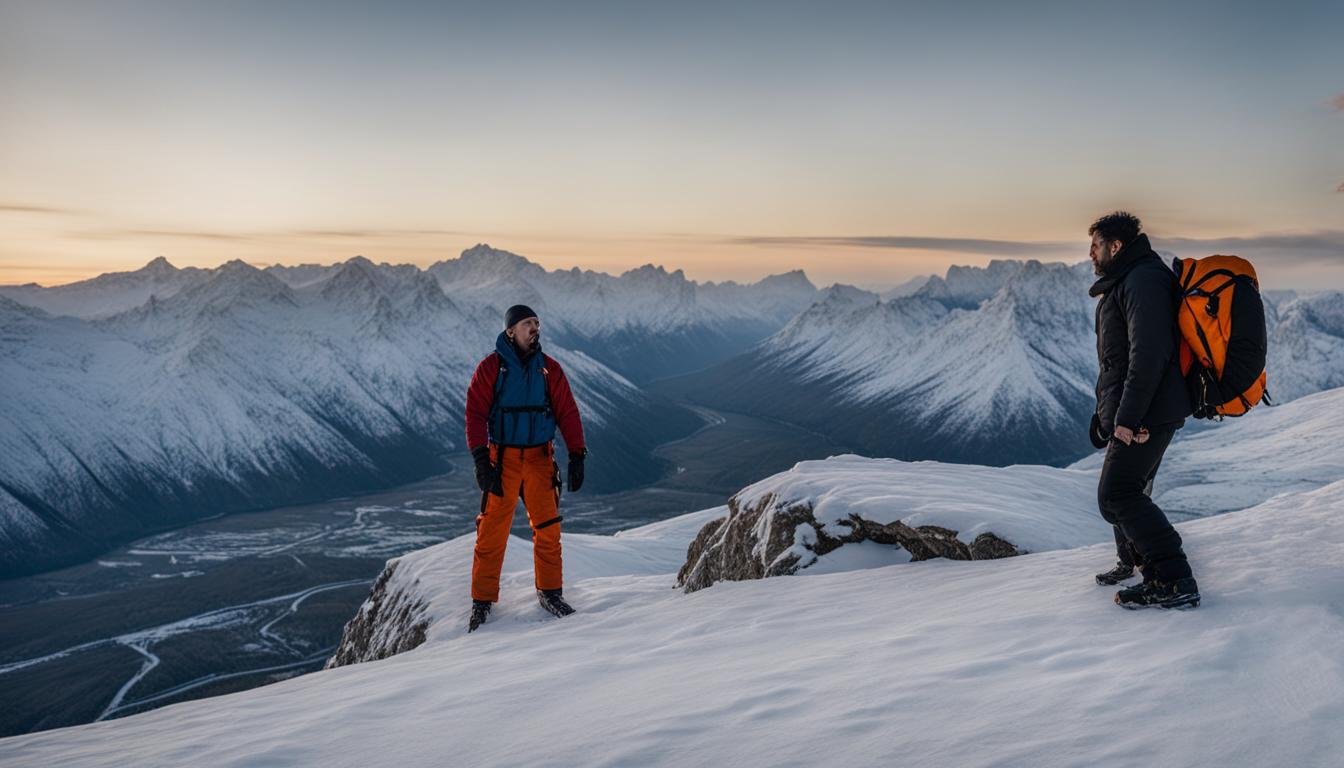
[504,412]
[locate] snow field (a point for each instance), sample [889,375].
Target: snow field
[1022,661]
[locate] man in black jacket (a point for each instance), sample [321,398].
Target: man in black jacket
[1141,402]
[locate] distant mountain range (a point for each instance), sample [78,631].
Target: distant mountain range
[988,365]
[142,400]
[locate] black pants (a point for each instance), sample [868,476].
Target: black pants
[1142,530]
[1124,550]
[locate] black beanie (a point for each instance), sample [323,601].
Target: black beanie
[516,314]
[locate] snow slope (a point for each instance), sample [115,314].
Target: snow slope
[1233,464]
[1022,661]
[796,519]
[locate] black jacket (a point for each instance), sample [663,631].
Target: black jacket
[1140,382]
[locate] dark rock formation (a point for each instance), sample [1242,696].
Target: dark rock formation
[391,620]
[764,540]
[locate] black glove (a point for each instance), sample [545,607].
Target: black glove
[576,469]
[1094,433]
[487,476]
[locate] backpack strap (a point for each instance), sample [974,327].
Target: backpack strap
[499,387]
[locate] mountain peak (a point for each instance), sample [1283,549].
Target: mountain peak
[841,293]
[237,282]
[353,279]
[793,280]
[654,272]
[235,267]
[159,266]
[483,252]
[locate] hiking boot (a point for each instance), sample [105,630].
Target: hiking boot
[1119,573]
[1182,593]
[552,601]
[480,609]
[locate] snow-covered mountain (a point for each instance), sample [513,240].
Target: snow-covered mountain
[240,391]
[991,365]
[926,377]
[646,323]
[1306,345]
[109,293]
[1015,661]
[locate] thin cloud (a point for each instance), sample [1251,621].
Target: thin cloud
[1017,248]
[140,234]
[1323,247]
[1340,188]
[259,236]
[22,208]
[371,233]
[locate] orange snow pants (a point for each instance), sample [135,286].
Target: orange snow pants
[530,473]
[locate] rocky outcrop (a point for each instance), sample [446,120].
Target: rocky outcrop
[765,538]
[392,619]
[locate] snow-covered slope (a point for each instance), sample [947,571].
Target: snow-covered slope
[240,391]
[925,377]
[800,518]
[1239,462]
[987,365]
[1022,661]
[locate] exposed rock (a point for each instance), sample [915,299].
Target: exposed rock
[761,540]
[390,621]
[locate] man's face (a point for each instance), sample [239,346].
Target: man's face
[525,333]
[1102,252]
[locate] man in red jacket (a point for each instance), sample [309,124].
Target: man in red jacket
[517,399]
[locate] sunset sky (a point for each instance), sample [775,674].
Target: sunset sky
[862,142]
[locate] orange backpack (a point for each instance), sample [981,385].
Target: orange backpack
[1223,341]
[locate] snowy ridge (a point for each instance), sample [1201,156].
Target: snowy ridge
[1022,344]
[648,297]
[967,287]
[799,518]
[109,293]
[1239,462]
[1035,507]
[646,323]
[940,662]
